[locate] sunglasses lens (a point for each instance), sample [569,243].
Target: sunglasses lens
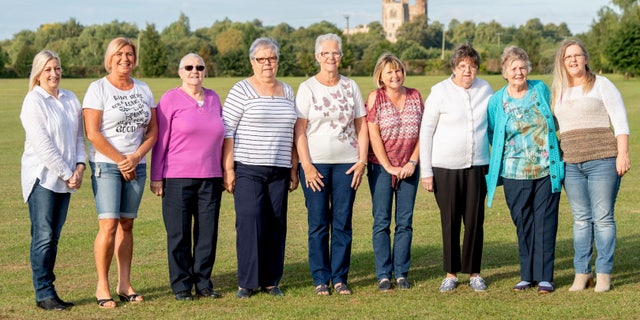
[188,68]
[200,68]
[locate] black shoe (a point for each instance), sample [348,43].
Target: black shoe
[384,285]
[208,293]
[64,303]
[275,291]
[51,304]
[244,293]
[404,284]
[184,296]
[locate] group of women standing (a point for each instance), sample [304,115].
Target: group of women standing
[254,144]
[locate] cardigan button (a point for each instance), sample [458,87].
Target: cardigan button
[553,176]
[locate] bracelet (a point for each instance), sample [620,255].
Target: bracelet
[414,163]
[360,161]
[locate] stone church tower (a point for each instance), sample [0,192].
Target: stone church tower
[397,12]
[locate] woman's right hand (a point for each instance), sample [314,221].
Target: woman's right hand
[128,175]
[313,178]
[427,183]
[156,187]
[394,171]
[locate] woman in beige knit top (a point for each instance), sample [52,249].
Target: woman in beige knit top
[594,136]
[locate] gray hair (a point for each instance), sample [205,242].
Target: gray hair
[328,37]
[190,55]
[39,62]
[264,42]
[513,53]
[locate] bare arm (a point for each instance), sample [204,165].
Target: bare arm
[313,179]
[228,165]
[623,164]
[359,167]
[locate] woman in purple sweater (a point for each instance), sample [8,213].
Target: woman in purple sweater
[186,171]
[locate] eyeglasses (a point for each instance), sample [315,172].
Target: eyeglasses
[464,67]
[271,60]
[189,68]
[327,54]
[576,56]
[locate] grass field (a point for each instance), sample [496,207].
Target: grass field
[76,276]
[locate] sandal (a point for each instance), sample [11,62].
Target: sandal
[342,289]
[131,298]
[322,290]
[102,303]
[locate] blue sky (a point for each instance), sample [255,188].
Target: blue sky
[18,15]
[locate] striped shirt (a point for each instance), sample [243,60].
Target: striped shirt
[261,126]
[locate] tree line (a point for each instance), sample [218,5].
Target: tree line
[613,42]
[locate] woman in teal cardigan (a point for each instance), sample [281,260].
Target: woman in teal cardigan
[525,158]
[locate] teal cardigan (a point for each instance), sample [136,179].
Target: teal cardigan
[497,122]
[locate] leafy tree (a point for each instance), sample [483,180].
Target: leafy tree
[51,32]
[151,53]
[177,30]
[24,58]
[20,39]
[529,38]
[623,48]
[229,40]
[463,32]
[414,30]
[233,63]
[4,58]
[595,40]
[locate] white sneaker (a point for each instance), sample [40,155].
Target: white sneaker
[448,284]
[477,284]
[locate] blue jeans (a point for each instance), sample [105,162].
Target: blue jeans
[115,197]
[330,210]
[382,194]
[48,212]
[592,188]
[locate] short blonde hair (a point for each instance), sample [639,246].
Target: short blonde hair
[39,62]
[114,46]
[384,60]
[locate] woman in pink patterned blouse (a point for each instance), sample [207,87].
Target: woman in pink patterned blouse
[394,113]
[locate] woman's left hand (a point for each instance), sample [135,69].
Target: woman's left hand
[406,171]
[294,180]
[357,169]
[75,182]
[623,165]
[130,162]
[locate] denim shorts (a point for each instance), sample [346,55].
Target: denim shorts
[115,197]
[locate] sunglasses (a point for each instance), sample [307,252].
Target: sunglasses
[189,68]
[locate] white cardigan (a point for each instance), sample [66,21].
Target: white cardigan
[453,134]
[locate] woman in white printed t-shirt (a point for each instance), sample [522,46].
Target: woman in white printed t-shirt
[119,119]
[332,142]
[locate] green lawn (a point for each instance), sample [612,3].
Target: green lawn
[76,276]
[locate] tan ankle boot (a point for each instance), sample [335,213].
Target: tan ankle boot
[603,282]
[581,282]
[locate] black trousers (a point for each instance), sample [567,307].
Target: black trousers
[260,197]
[460,194]
[187,204]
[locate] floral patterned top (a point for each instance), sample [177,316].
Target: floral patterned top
[526,146]
[330,112]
